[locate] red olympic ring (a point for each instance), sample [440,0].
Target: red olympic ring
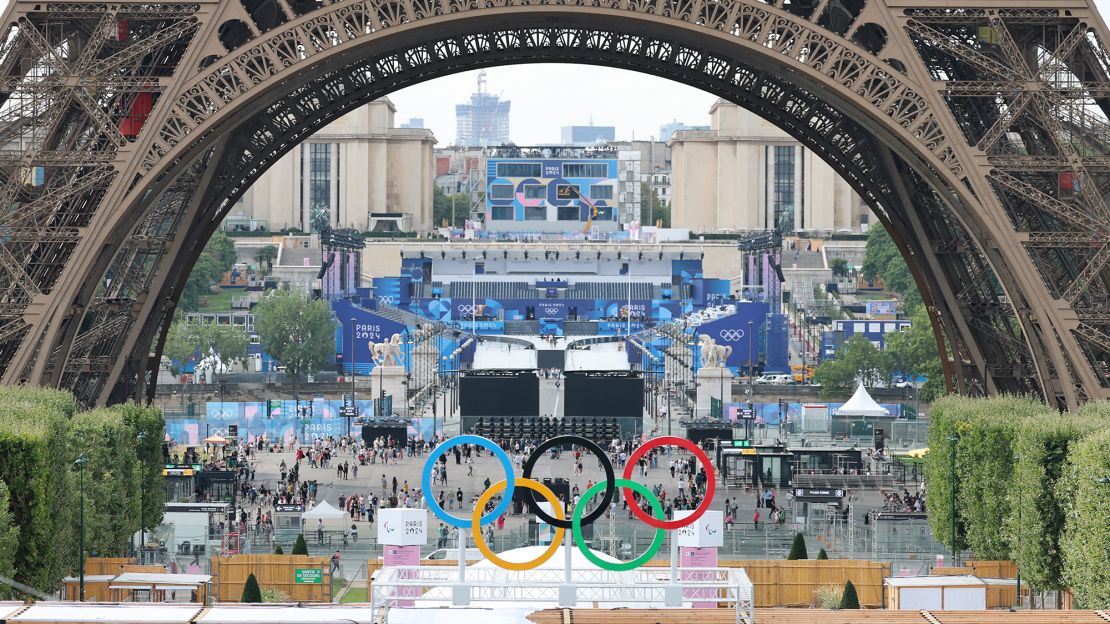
[710,487]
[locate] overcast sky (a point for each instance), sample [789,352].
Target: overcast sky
[549,96]
[546,97]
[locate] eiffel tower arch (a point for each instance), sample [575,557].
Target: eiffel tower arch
[976,130]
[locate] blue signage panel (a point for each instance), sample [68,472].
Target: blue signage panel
[368,327]
[733,331]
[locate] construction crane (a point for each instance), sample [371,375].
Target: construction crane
[593,207]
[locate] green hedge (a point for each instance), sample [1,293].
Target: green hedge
[1085,543]
[1041,447]
[41,434]
[35,465]
[984,464]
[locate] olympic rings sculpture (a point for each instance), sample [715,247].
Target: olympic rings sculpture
[509,484]
[731,335]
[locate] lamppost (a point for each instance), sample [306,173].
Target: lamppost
[142,496]
[354,410]
[80,463]
[1018,568]
[953,440]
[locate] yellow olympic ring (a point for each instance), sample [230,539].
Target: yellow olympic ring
[480,541]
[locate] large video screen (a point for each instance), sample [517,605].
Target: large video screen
[497,395]
[597,396]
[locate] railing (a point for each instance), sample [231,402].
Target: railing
[728,587]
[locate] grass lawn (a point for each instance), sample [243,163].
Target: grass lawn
[218,303]
[356,594]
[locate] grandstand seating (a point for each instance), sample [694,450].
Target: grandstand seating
[609,290]
[600,430]
[493,290]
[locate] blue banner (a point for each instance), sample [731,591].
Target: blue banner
[733,331]
[368,328]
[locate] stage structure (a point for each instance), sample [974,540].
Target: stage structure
[977,131]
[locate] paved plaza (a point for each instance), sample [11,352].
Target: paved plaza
[743,540]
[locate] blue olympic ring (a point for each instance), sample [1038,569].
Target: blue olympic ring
[486,443]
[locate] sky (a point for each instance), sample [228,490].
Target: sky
[636,104]
[549,96]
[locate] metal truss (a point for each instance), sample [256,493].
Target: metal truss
[979,136]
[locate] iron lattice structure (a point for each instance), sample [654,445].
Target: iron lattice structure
[977,130]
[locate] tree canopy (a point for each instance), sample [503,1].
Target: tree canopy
[883,259]
[216,259]
[298,332]
[652,208]
[185,341]
[265,257]
[444,212]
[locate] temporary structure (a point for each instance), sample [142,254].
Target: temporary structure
[861,404]
[332,520]
[324,511]
[215,439]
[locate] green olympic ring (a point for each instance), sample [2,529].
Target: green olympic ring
[580,542]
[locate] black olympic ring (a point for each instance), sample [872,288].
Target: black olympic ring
[606,465]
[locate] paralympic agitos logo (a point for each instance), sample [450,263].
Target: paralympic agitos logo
[607,488]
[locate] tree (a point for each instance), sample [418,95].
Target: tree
[913,353]
[822,555]
[849,600]
[652,208]
[983,431]
[1041,448]
[1085,543]
[884,260]
[278,550]
[839,267]
[297,332]
[449,208]
[216,259]
[857,360]
[9,541]
[300,547]
[252,593]
[798,548]
[185,340]
[36,466]
[265,257]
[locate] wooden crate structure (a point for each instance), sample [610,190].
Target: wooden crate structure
[782,583]
[106,565]
[994,569]
[229,574]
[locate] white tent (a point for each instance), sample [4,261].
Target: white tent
[861,404]
[324,511]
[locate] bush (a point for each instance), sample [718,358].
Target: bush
[827,596]
[1085,543]
[300,548]
[985,429]
[278,550]
[822,555]
[849,600]
[251,591]
[1041,447]
[36,465]
[273,594]
[798,548]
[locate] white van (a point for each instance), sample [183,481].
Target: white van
[777,380]
[472,554]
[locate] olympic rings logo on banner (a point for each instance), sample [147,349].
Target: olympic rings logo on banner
[467,309]
[386,299]
[551,310]
[731,335]
[607,488]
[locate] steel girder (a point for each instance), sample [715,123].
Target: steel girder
[959,126]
